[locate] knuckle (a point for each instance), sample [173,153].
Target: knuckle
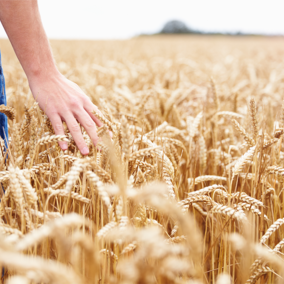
[75,127]
[89,123]
[52,112]
[57,127]
[74,103]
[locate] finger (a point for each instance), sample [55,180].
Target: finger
[89,125]
[90,107]
[58,129]
[76,133]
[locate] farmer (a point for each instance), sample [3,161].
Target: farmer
[59,98]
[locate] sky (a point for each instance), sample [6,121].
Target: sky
[121,19]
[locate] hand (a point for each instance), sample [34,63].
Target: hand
[63,100]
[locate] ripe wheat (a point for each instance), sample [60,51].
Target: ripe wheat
[191,163]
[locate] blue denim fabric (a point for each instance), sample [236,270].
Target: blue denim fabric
[3,101]
[3,120]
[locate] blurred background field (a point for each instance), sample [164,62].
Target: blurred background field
[249,66]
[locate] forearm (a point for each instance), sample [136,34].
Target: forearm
[22,23]
[60,98]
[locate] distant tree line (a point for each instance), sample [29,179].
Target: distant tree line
[178,27]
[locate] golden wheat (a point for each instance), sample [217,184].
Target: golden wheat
[187,187]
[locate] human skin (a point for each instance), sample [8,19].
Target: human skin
[60,98]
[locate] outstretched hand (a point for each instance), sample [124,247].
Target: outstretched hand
[63,100]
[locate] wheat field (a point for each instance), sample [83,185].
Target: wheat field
[189,189]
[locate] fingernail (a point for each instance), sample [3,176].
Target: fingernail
[64,146]
[85,151]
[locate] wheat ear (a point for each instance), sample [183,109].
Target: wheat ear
[214,92]
[243,160]
[65,193]
[26,123]
[245,135]
[253,118]
[104,120]
[206,178]
[274,227]
[77,168]
[50,230]
[9,111]
[94,179]
[104,230]
[229,114]
[43,270]
[258,273]
[52,139]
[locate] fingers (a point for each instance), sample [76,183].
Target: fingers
[86,118]
[76,133]
[58,129]
[87,122]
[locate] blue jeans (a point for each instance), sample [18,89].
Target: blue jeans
[3,119]
[3,101]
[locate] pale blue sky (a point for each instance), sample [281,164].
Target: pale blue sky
[109,19]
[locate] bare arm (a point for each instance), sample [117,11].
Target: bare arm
[61,99]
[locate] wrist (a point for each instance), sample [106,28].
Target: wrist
[42,73]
